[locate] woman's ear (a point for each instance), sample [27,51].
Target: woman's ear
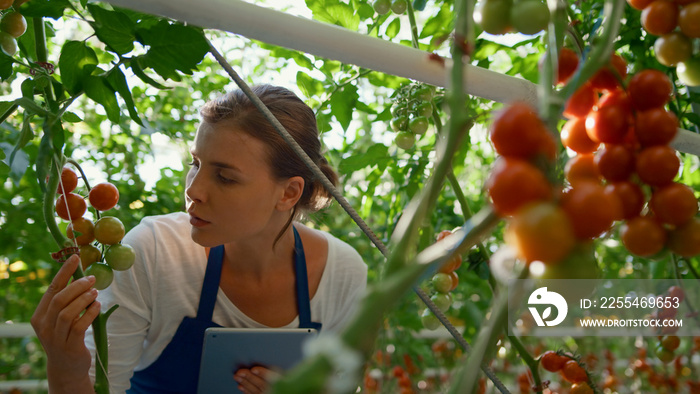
[293,188]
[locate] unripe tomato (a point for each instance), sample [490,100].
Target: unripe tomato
[89,254]
[673,48]
[5,4]
[8,44]
[120,257]
[671,342]
[425,109]
[103,196]
[382,7]
[573,372]
[664,355]
[70,206]
[684,240]
[103,275]
[649,89]
[69,181]
[674,204]
[493,16]
[423,93]
[689,72]
[552,361]
[84,227]
[643,236]
[529,16]
[514,183]
[689,20]
[660,17]
[657,165]
[442,282]
[418,125]
[399,6]
[429,320]
[109,230]
[14,24]
[405,140]
[442,300]
[540,232]
[399,123]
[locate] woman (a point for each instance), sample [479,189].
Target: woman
[244,190]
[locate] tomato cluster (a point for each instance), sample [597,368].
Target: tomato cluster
[677,25]
[570,370]
[443,283]
[101,250]
[411,113]
[12,25]
[505,16]
[383,7]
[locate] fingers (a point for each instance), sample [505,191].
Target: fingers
[59,282]
[251,382]
[70,314]
[76,336]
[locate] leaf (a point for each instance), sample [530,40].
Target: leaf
[393,29]
[27,42]
[343,104]
[335,12]
[547,312]
[135,65]
[375,154]
[117,80]
[71,117]
[98,90]
[76,63]
[5,66]
[25,135]
[173,48]
[309,86]
[17,162]
[419,5]
[31,106]
[44,8]
[114,28]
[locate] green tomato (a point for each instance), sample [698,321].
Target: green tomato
[120,257]
[425,109]
[493,16]
[109,230]
[418,125]
[399,123]
[689,72]
[399,6]
[673,48]
[382,6]
[88,255]
[8,43]
[429,320]
[529,16]
[423,93]
[405,140]
[442,300]
[442,282]
[664,355]
[103,275]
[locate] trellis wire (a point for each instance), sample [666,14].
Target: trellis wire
[345,204]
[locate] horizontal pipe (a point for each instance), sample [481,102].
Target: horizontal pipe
[16,330]
[337,43]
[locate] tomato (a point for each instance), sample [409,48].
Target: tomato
[493,16]
[581,168]
[643,236]
[540,231]
[575,137]
[517,131]
[442,282]
[649,89]
[581,388]
[567,65]
[581,263]
[671,342]
[405,140]
[88,255]
[120,257]
[423,92]
[418,125]
[630,195]
[452,265]
[429,320]
[85,229]
[442,300]
[673,48]
[399,6]
[14,24]
[109,230]
[552,361]
[425,109]
[68,182]
[399,123]
[684,240]
[103,275]
[8,44]
[655,126]
[590,209]
[619,98]
[382,6]
[676,292]
[689,72]
[608,124]
[609,77]
[455,280]
[529,16]
[103,196]
[674,204]
[514,183]
[657,165]
[660,17]
[615,162]
[664,355]
[573,372]
[581,102]
[639,4]
[689,20]
[5,4]
[70,206]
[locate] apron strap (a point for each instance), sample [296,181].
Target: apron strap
[302,285]
[210,287]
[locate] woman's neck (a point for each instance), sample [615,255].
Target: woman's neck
[258,257]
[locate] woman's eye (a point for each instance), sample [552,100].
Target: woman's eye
[193,163]
[223,179]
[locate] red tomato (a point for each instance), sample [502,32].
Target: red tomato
[631,197]
[581,168]
[69,181]
[517,131]
[655,126]
[581,102]
[660,17]
[581,388]
[552,362]
[575,137]
[608,124]
[84,227]
[684,240]
[573,372]
[455,280]
[540,231]
[649,89]
[643,236]
[610,77]
[514,183]
[70,206]
[639,4]
[568,63]
[688,20]
[103,196]
[657,165]
[674,204]
[615,162]
[590,209]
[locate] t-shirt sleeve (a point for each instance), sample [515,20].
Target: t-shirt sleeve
[347,286]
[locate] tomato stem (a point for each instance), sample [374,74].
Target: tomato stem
[412,22]
[49,205]
[529,361]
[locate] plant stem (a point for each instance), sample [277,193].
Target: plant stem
[49,206]
[42,56]
[529,361]
[412,22]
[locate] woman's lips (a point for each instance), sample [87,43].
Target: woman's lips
[197,222]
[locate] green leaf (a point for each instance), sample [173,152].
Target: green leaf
[27,42]
[71,117]
[419,5]
[135,65]
[173,48]
[5,66]
[31,106]
[97,89]
[309,86]
[298,57]
[114,28]
[18,164]
[392,30]
[343,104]
[44,8]
[117,80]
[439,24]
[334,12]
[76,63]
[375,154]
[25,135]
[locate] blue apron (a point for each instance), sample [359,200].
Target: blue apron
[177,368]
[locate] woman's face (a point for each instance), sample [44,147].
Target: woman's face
[231,193]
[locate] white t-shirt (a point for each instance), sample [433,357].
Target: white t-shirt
[164,286]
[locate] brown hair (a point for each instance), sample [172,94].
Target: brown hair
[300,122]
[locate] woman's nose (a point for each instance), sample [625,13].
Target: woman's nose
[194,190]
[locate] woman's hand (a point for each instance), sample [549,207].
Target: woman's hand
[254,380]
[60,325]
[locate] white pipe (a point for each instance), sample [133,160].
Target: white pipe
[7,386]
[337,43]
[16,330]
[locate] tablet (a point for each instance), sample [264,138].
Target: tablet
[226,350]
